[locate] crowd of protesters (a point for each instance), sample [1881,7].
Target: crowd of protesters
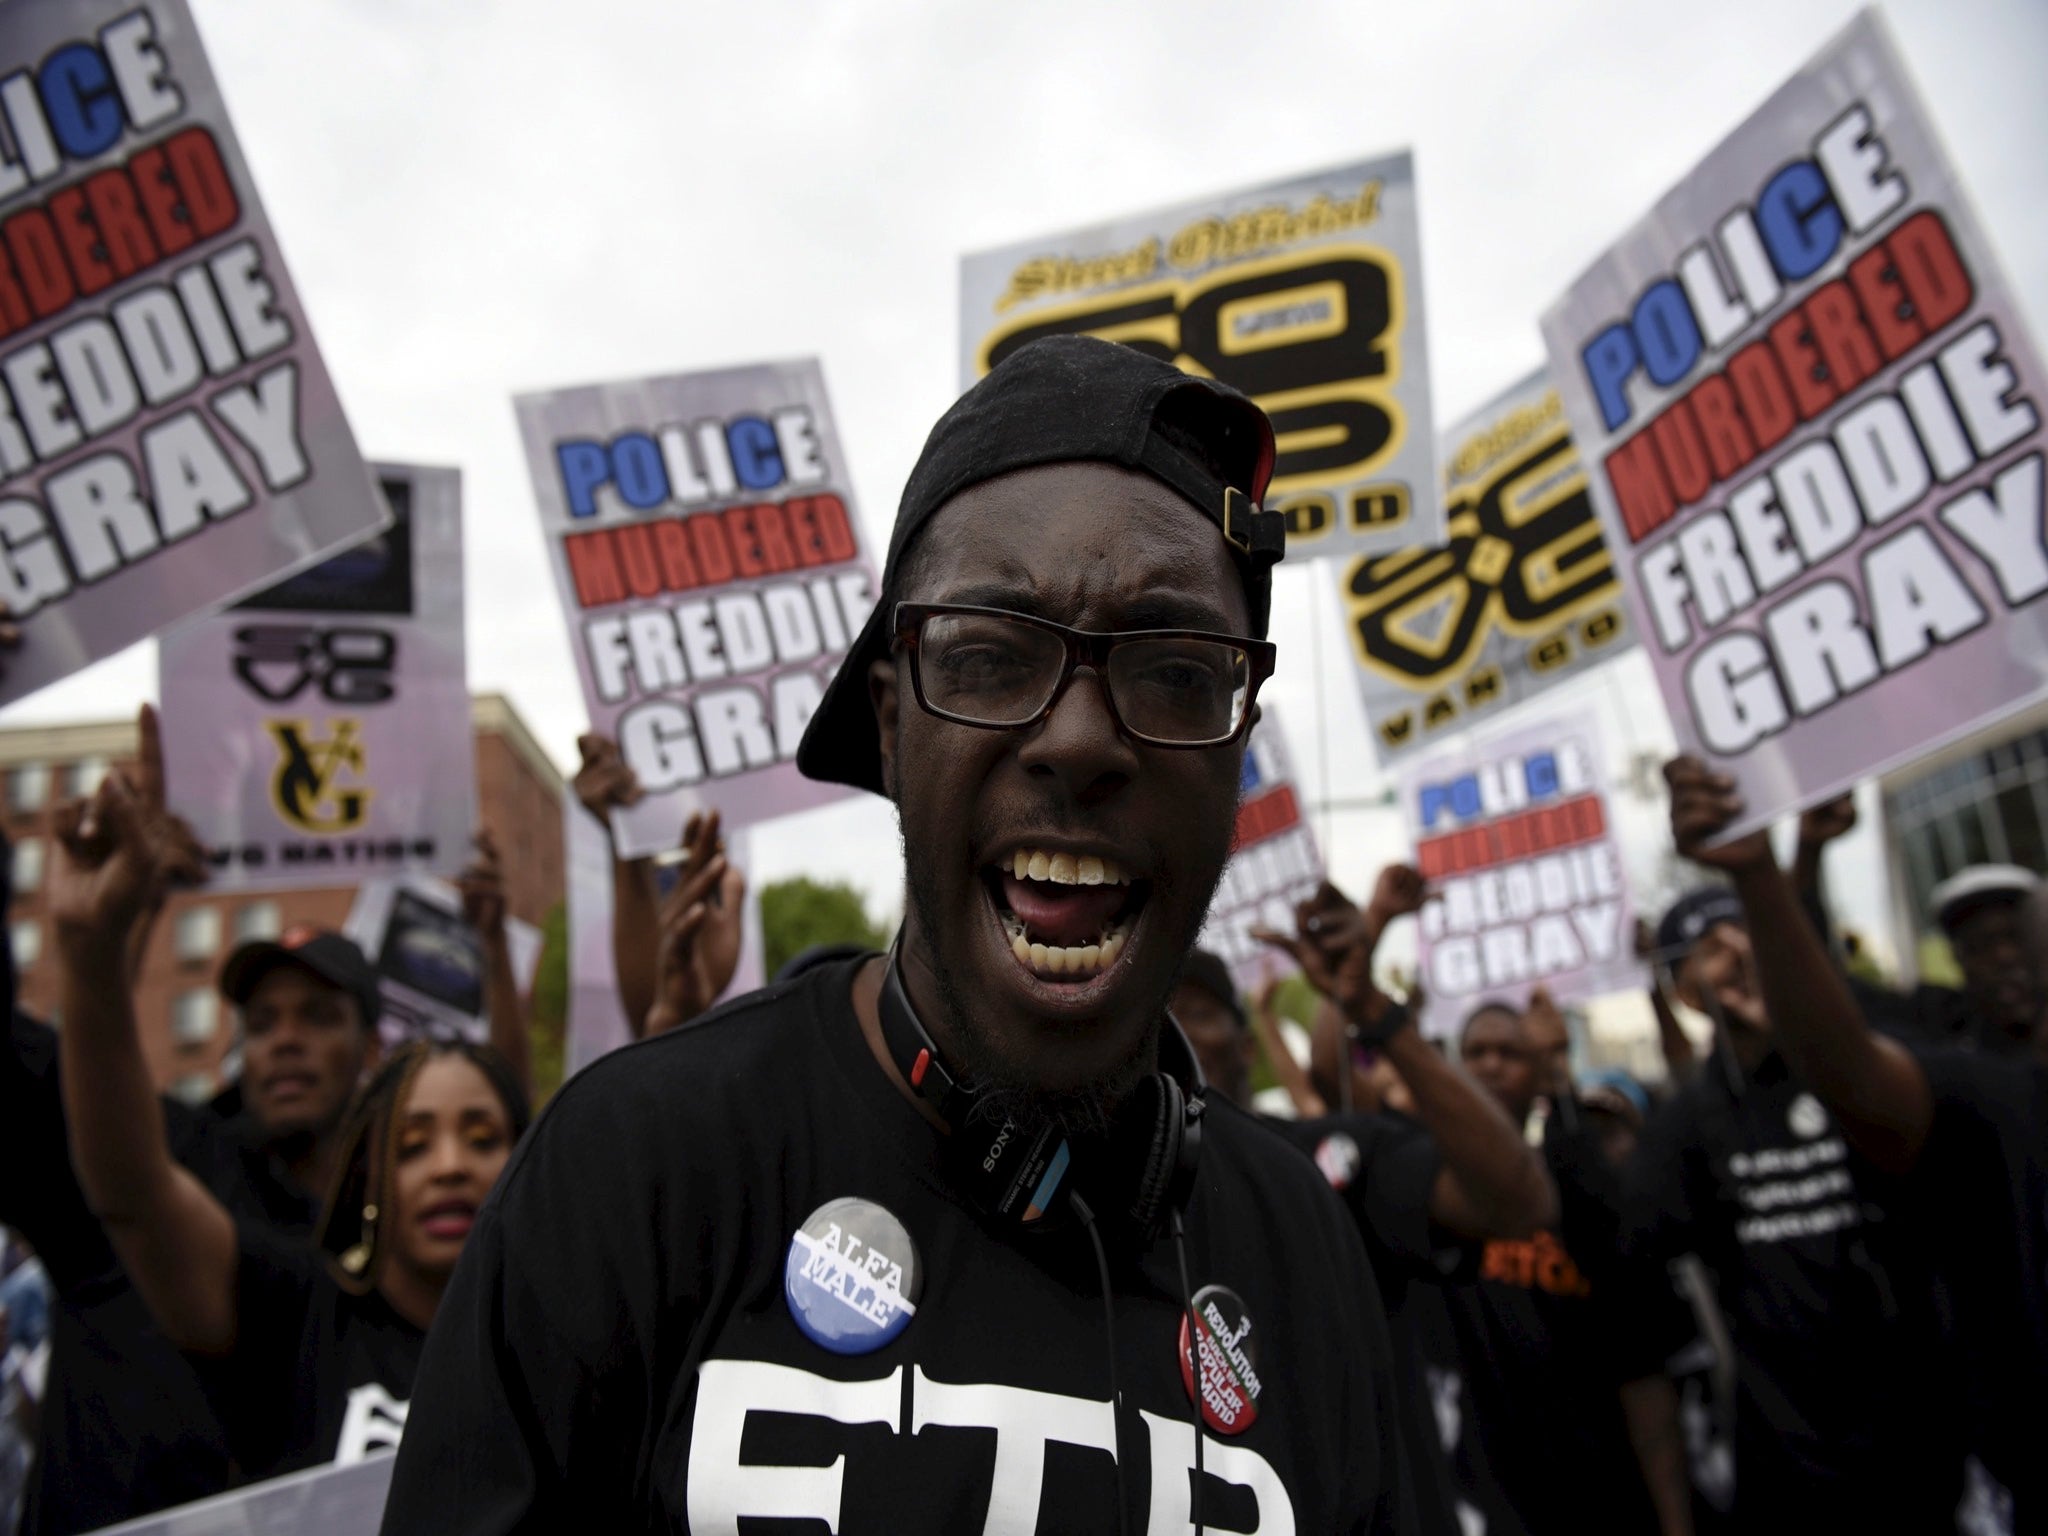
[1800,1289]
[1798,1285]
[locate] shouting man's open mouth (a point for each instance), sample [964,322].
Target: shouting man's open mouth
[1067,913]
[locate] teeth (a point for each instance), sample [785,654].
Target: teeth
[1080,960]
[1067,868]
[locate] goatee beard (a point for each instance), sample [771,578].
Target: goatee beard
[1002,1093]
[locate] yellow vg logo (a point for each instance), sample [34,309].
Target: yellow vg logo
[306,788]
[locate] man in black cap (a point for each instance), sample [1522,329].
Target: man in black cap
[919,1243]
[125,1427]
[1841,1419]
[309,1010]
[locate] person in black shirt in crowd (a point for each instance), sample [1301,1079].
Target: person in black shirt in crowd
[1617,1105]
[122,1400]
[1963,1128]
[303,1362]
[1842,1413]
[1982,910]
[309,1354]
[126,1427]
[910,1243]
[1414,1208]
[1554,1318]
[1427,1192]
[1977,908]
[1489,1184]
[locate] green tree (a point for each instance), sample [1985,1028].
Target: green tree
[796,914]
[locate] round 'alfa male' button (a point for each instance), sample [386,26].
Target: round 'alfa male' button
[852,1277]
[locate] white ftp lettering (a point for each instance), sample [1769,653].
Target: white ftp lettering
[722,1490]
[373,1421]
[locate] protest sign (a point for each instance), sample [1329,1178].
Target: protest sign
[709,562]
[1306,294]
[1811,416]
[1274,861]
[1521,596]
[597,1019]
[1524,868]
[344,1498]
[429,962]
[320,731]
[169,438]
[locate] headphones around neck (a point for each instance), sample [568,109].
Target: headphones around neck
[1140,1174]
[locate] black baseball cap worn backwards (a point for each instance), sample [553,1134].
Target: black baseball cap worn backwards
[1062,400]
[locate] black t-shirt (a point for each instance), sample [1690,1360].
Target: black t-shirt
[1546,1336]
[1384,1167]
[318,1374]
[1981,1193]
[1843,1406]
[126,1428]
[618,1352]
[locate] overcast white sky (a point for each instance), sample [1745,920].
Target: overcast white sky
[479,197]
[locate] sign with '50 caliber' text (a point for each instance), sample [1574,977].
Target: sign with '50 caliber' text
[319,733]
[169,439]
[1813,425]
[709,562]
[1306,294]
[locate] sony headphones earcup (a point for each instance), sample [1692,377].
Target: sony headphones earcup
[1146,1151]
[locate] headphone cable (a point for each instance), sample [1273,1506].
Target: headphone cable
[1086,1216]
[1187,1296]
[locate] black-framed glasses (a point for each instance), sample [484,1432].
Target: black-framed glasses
[1003,671]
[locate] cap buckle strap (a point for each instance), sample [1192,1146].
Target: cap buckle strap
[1250,528]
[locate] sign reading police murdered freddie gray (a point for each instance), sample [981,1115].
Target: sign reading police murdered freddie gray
[1274,862]
[169,439]
[709,562]
[319,732]
[1522,596]
[1524,869]
[1306,294]
[1814,426]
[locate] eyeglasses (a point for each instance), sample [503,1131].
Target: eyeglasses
[1003,671]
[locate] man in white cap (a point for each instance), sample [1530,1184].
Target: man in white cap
[1982,910]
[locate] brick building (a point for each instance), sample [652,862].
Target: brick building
[186,1026]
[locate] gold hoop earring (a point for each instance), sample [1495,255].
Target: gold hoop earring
[357,1258]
